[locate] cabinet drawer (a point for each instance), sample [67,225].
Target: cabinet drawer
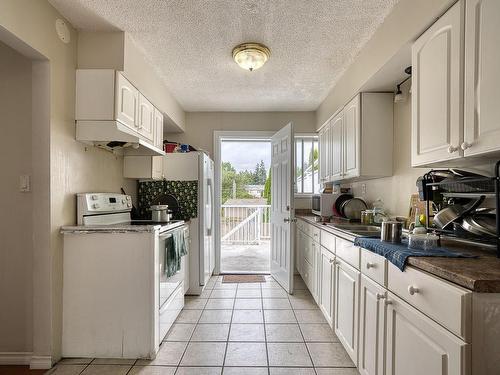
[448,304]
[328,241]
[314,232]
[374,266]
[348,252]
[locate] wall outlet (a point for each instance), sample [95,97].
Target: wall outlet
[363,189]
[25,183]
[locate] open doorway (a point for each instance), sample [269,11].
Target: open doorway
[245,197]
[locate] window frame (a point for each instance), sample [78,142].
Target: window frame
[304,136]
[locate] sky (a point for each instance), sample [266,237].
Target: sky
[245,155]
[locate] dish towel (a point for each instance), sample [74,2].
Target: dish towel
[398,254]
[175,248]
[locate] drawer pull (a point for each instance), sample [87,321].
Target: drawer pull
[332,261]
[412,290]
[380,296]
[388,302]
[370,265]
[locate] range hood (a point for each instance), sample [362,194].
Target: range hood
[115,137]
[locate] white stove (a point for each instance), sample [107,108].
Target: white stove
[118,301]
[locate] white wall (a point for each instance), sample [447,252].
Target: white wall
[200,126]
[16,242]
[30,25]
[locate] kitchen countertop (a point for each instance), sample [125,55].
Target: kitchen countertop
[480,274]
[120,228]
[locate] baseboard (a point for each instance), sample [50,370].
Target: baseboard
[40,362]
[15,358]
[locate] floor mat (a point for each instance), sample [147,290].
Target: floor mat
[243,279]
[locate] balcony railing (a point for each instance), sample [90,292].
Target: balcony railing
[245,224]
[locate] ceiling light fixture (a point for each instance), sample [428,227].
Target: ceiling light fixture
[251,56]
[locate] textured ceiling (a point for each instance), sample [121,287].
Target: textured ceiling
[312,42]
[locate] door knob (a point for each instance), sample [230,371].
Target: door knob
[466,145]
[452,149]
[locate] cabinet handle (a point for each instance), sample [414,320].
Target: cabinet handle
[388,302]
[452,149]
[466,145]
[370,265]
[413,290]
[332,261]
[380,296]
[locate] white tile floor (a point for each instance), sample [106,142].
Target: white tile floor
[238,329]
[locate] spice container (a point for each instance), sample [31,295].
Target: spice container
[368,217]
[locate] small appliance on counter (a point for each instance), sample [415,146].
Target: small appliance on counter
[322,204]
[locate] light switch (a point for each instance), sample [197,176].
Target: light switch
[25,183]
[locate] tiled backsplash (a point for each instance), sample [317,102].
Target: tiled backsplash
[186,193]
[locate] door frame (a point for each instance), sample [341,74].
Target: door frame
[219,136]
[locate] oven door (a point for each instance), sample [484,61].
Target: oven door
[168,285]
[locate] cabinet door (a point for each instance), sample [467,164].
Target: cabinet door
[346,307]
[323,153]
[145,123]
[417,345]
[482,77]
[316,248]
[437,90]
[298,251]
[352,138]
[371,327]
[127,102]
[326,282]
[158,129]
[336,137]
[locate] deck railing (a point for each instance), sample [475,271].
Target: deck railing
[245,224]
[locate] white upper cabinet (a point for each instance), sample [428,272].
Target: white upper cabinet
[336,146]
[360,142]
[417,345]
[107,95]
[352,136]
[437,70]
[158,129]
[482,77]
[145,118]
[127,102]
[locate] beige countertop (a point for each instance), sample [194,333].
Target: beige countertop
[480,274]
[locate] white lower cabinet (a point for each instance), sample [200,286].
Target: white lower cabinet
[417,345]
[346,293]
[371,327]
[326,283]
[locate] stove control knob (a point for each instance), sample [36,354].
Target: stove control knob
[95,206]
[94,197]
[129,198]
[129,204]
[123,201]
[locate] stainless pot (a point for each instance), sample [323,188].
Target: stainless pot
[391,231]
[160,213]
[454,212]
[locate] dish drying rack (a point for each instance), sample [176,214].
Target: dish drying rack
[466,187]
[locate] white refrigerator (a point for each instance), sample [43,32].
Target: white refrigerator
[197,166]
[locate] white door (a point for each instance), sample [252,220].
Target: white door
[127,102]
[371,327]
[335,156]
[352,138]
[417,345]
[282,207]
[437,90]
[326,281]
[482,78]
[346,307]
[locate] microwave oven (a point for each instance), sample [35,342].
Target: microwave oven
[322,204]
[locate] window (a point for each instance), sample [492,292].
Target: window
[306,164]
